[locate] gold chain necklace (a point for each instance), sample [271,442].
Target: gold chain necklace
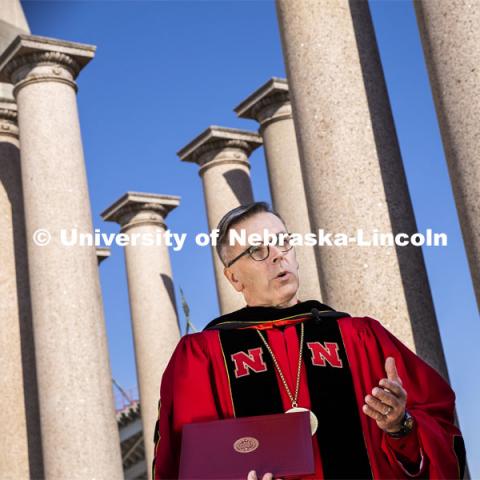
[293,398]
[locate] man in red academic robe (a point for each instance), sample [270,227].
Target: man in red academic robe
[382,411]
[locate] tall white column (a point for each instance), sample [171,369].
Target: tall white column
[353,171]
[270,106]
[222,155]
[151,294]
[79,432]
[19,424]
[450,33]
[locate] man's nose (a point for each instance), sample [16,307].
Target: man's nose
[276,253]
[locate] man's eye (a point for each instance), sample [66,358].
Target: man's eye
[283,239]
[255,248]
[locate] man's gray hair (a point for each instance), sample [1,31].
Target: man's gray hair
[234,217]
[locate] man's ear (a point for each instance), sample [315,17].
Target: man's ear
[233,279]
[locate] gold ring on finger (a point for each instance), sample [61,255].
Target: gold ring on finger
[388,410]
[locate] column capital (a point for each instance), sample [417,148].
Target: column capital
[135,208]
[269,103]
[220,145]
[31,58]
[8,117]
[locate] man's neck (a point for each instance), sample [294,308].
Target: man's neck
[289,303]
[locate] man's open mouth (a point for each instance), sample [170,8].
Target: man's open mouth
[281,274]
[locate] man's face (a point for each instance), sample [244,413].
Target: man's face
[271,282]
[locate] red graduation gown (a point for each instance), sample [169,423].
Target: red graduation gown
[195,388]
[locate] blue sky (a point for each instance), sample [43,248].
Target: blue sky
[166,70]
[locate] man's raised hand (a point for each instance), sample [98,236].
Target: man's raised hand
[386,405]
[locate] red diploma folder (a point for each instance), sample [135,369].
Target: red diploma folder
[229,449]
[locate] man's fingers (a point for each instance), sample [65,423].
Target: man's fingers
[386,397]
[391,369]
[372,413]
[379,406]
[394,387]
[267,476]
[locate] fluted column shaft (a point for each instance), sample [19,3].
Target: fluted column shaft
[151,294]
[79,432]
[352,168]
[450,33]
[222,155]
[270,106]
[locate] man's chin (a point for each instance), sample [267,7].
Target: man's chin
[288,298]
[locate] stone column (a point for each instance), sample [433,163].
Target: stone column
[222,155]
[151,294]
[20,442]
[79,433]
[270,106]
[353,170]
[450,32]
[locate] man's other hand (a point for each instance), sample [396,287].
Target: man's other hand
[386,405]
[252,475]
